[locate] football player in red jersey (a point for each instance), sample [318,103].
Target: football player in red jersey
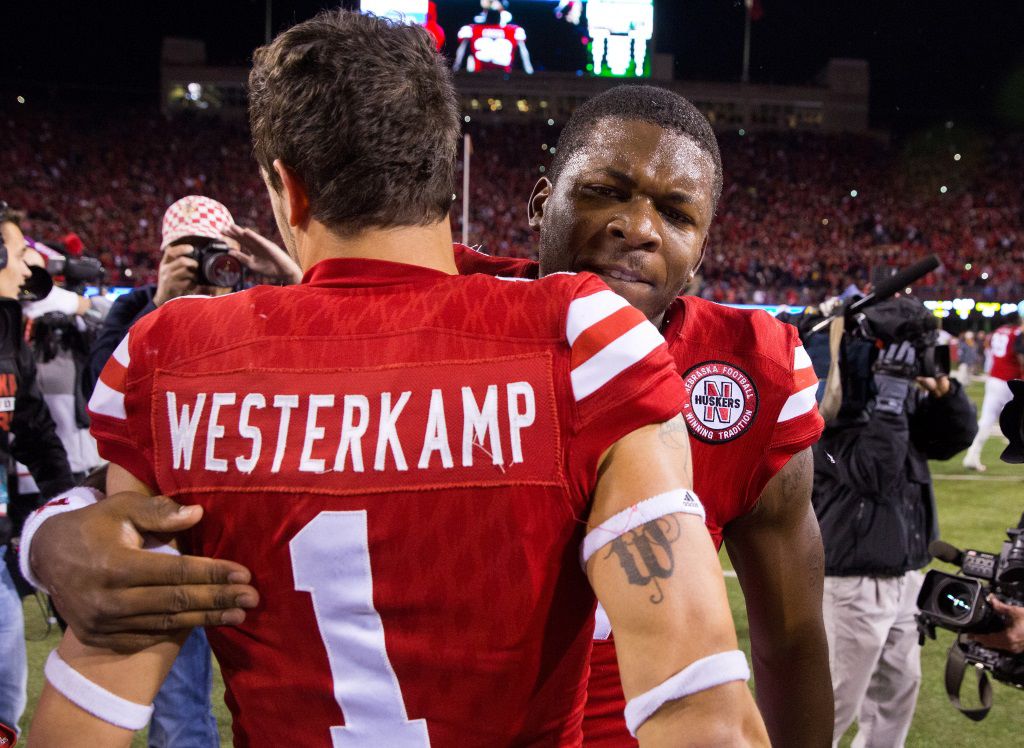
[401,594]
[751,449]
[1007,344]
[631,196]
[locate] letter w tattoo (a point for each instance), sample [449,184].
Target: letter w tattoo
[645,553]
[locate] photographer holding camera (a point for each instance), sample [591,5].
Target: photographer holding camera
[983,603]
[204,253]
[874,502]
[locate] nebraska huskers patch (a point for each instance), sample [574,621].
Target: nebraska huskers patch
[721,401]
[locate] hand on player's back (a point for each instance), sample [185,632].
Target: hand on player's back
[125,598]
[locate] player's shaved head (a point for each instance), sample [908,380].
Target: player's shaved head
[656,106]
[364,113]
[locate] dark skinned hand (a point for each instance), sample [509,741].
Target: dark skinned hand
[113,594]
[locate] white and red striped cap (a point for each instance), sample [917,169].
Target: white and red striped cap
[194,215]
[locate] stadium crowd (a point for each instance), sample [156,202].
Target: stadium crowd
[786,197]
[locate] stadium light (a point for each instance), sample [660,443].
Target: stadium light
[544,146]
[853,193]
[21,99]
[956,156]
[551,122]
[967,266]
[984,276]
[824,222]
[742,132]
[942,189]
[467,118]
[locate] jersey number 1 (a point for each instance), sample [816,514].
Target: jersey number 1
[331,561]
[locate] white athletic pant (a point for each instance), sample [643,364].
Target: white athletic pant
[873,655]
[997,395]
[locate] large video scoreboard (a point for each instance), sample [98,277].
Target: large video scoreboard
[589,37]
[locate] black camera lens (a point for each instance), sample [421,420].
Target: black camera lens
[222,270]
[955,599]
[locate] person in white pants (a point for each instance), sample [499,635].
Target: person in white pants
[1007,346]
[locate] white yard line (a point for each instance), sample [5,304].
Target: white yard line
[982,478]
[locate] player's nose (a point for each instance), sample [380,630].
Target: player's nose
[636,225]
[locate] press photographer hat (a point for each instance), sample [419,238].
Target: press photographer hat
[194,215]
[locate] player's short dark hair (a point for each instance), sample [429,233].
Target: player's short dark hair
[363,110]
[650,104]
[10,215]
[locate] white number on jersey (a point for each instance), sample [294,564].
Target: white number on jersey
[1000,342]
[494,51]
[331,561]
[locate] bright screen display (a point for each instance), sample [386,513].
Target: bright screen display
[589,37]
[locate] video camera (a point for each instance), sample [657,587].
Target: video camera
[76,270]
[959,602]
[879,317]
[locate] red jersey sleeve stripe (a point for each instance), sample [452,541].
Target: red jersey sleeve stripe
[121,352]
[626,350]
[596,337]
[804,378]
[106,401]
[799,403]
[589,310]
[114,374]
[800,359]
[108,395]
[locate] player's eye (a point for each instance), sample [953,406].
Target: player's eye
[676,216]
[604,190]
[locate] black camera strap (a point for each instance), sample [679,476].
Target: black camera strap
[956,666]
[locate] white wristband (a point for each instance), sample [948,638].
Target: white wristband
[93,698]
[74,498]
[700,675]
[680,500]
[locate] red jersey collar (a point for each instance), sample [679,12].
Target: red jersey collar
[346,272]
[675,319]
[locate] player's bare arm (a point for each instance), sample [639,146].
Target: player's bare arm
[779,560]
[663,590]
[115,595]
[93,695]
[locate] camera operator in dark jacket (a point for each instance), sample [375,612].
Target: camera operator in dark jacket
[23,416]
[874,502]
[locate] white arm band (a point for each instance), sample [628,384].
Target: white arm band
[72,499]
[680,500]
[95,699]
[700,675]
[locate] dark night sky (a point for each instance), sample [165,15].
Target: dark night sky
[930,61]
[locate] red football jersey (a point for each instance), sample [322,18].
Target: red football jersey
[1006,346]
[750,407]
[491,46]
[404,460]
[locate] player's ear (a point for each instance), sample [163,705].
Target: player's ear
[538,198]
[293,194]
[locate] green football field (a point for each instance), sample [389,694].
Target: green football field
[974,511]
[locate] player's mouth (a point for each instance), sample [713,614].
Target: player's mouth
[622,275]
